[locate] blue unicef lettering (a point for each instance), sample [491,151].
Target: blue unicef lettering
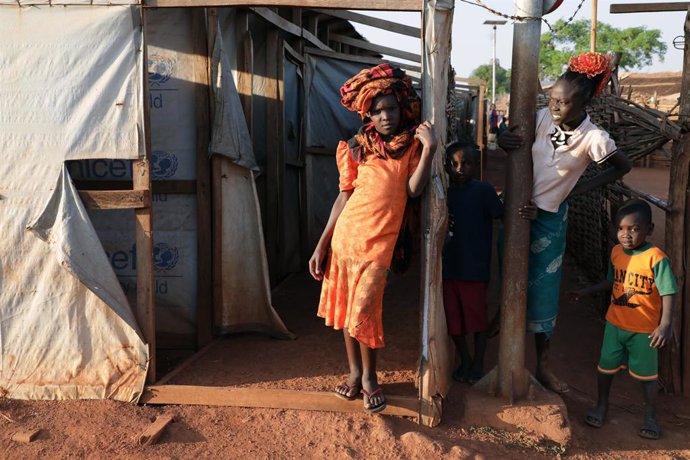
[164,164]
[161,69]
[165,257]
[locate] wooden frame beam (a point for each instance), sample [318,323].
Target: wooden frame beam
[202,77]
[275,162]
[382,5]
[383,24]
[406,406]
[358,58]
[115,199]
[365,45]
[172,187]
[648,7]
[289,27]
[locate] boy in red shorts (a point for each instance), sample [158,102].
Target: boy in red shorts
[472,206]
[638,321]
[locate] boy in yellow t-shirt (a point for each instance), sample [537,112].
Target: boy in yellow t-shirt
[638,321]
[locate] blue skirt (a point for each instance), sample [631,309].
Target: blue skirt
[547,246]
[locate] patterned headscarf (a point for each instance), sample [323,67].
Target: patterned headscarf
[358,94]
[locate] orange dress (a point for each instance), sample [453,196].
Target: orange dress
[363,242]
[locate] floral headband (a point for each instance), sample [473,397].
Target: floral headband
[592,65]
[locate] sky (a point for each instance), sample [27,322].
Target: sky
[472,40]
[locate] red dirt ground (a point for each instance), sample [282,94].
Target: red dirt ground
[315,361]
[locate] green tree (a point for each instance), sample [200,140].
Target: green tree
[638,45]
[483,72]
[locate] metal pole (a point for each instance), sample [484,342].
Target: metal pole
[513,378]
[593,29]
[493,72]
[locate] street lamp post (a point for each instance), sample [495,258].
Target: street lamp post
[493,61]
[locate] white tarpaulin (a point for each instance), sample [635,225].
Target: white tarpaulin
[230,135]
[245,290]
[71,82]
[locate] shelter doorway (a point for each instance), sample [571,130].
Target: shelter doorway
[296,187]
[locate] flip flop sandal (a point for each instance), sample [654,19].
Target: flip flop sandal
[650,429]
[351,393]
[367,397]
[595,419]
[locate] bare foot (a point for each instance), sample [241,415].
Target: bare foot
[551,382]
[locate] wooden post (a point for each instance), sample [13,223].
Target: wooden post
[511,379]
[436,352]
[481,113]
[202,102]
[245,66]
[141,180]
[593,29]
[275,161]
[682,306]
[673,372]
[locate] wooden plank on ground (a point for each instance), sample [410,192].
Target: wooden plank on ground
[155,430]
[388,5]
[648,7]
[115,199]
[25,436]
[374,22]
[365,45]
[202,102]
[406,406]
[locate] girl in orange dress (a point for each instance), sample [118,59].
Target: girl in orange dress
[384,163]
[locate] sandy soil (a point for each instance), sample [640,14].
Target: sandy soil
[316,361]
[94,429]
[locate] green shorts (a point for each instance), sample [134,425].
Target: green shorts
[622,349]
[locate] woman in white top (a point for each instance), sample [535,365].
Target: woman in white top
[566,141]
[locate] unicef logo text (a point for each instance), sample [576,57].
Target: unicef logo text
[164,164]
[160,69]
[165,257]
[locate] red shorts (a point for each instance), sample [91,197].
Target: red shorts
[465,305]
